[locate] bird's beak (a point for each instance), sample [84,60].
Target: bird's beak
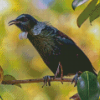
[13,22]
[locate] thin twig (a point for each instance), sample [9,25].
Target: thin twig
[12,82]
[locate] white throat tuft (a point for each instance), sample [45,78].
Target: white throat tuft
[23,35]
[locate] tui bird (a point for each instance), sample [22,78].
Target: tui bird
[58,51]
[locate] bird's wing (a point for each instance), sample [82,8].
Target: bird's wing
[71,49]
[64,39]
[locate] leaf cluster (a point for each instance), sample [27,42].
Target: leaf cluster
[92,11]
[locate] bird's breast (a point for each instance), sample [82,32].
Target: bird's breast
[45,45]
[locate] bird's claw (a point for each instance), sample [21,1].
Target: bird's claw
[46,79]
[75,79]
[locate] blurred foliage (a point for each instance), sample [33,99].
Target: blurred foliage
[20,59]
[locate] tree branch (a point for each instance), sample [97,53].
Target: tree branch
[12,82]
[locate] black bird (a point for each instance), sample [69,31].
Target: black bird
[57,50]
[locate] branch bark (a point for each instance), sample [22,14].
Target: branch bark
[12,82]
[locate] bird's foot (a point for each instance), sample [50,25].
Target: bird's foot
[47,80]
[23,35]
[76,78]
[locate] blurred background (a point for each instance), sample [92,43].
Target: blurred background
[20,59]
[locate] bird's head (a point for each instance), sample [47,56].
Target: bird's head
[25,22]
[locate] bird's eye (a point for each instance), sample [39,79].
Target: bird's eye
[23,19]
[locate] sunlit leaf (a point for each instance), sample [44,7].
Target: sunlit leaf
[9,77]
[88,86]
[77,3]
[86,13]
[1,74]
[95,14]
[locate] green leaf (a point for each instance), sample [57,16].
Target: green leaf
[98,77]
[77,3]
[88,86]
[95,14]
[86,13]
[9,77]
